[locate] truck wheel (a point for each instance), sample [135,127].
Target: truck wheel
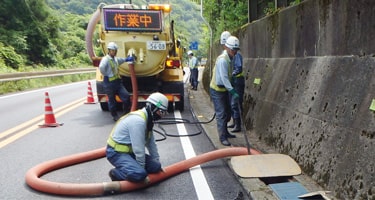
[170,107]
[104,106]
[180,105]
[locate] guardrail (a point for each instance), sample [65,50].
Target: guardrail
[43,74]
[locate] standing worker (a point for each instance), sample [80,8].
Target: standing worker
[223,38]
[193,65]
[132,134]
[112,82]
[220,87]
[238,82]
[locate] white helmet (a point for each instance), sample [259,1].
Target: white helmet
[112,46]
[190,53]
[224,36]
[233,43]
[159,100]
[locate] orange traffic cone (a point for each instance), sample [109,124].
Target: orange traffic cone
[49,117]
[90,96]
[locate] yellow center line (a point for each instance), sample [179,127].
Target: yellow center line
[21,129]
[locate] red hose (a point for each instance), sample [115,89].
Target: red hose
[90,30]
[94,189]
[134,86]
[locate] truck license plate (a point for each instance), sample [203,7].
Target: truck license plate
[156,45]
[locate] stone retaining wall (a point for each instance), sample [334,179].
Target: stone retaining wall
[310,81]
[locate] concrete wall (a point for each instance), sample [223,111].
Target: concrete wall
[316,65]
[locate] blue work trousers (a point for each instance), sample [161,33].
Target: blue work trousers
[222,110]
[115,87]
[127,168]
[194,77]
[236,104]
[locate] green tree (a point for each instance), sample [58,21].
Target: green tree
[28,26]
[9,57]
[52,32]
[225,15]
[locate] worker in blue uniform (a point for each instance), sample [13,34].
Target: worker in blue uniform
[129,139]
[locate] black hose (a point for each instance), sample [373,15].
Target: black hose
[243,127]
[172,121]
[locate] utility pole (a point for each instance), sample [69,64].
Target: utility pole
[209,27]
[253,10]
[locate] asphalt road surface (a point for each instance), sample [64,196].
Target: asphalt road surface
[23,145]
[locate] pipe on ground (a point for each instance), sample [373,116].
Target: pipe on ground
[97,189]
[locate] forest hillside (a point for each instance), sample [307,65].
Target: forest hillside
[51,33]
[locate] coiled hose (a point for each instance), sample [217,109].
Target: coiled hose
[97,189]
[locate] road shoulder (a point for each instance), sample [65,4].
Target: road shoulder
[256,189]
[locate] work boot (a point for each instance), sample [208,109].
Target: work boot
[223,139]
[225,142]
[237,125]
[114,115]
[232,125]
[228,135]
[112,176]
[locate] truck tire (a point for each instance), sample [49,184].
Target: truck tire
[104,106]
[180,105]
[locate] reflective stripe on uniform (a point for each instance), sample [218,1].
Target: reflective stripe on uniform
[114,70]
[112,78]
[239,75]
[124,148]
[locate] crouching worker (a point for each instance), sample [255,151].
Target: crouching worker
[131,135]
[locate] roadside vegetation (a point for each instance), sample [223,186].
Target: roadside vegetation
[48,35]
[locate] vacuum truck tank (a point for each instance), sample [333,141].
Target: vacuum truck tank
[147,34]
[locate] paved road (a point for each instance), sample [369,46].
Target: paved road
[86,128]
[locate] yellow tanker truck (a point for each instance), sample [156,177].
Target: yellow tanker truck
[147,34]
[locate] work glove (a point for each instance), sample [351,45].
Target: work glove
[129,59]
[234,94]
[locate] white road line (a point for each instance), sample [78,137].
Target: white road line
[41,89]
[199,180]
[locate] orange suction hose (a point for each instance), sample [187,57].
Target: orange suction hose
[134,86]
[90,30]
[96,189]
